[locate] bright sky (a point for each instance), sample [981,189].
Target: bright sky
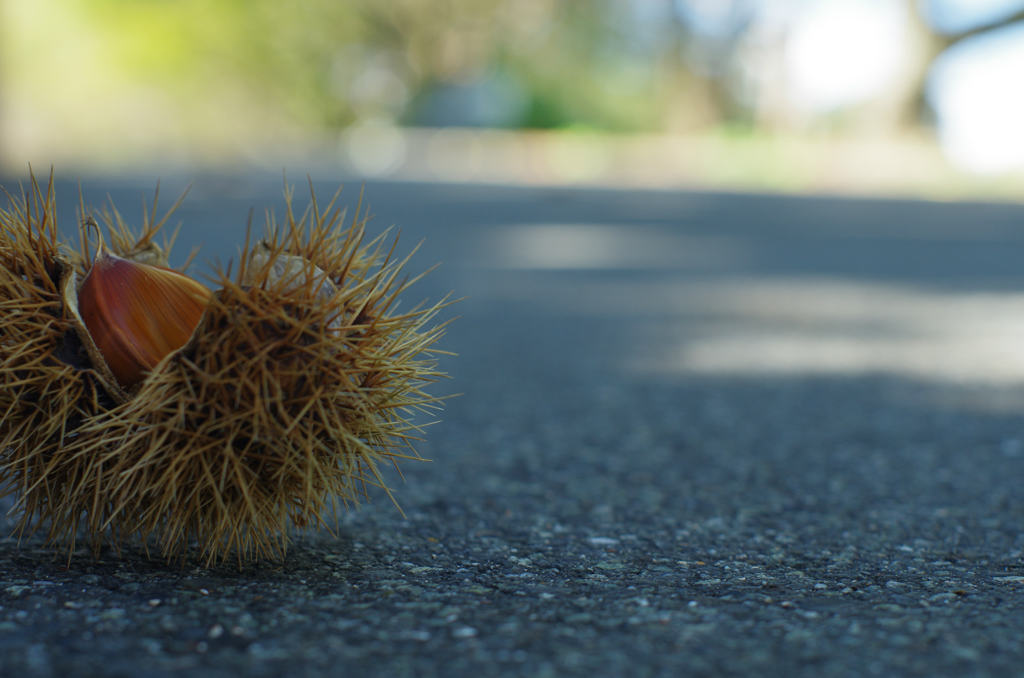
[976,91]
[827,63]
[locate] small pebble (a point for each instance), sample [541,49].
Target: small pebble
[419,636]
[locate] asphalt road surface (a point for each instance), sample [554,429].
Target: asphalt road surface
[701,434]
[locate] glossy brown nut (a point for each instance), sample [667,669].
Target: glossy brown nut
[137,313]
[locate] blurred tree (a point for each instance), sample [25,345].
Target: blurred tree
[748,32]
[568,63]
[323,63]
[233,69]
[905,104]
[698,72]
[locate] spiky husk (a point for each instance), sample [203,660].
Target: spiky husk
[301,379]
[43,395]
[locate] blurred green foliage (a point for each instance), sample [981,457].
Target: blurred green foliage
[211,79]
[329,63]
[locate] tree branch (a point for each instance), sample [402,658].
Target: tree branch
[947,41]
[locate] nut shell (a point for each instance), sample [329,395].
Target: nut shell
[136,314]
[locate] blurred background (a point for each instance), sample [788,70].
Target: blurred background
[916,97]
